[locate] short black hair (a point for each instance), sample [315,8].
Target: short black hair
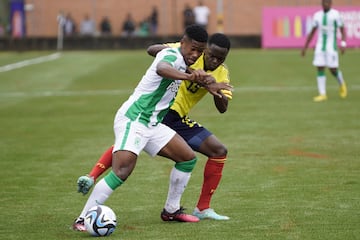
[220,40]
[197,33]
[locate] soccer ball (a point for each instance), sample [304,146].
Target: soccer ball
[100,220]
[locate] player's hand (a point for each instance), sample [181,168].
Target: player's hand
[342,50]
[201,77]
[208,80]
[303,52]
[84,184]
[342,46]
[216,87]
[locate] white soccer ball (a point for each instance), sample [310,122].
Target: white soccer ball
[100,221]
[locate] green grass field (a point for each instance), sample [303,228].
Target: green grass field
[293,170]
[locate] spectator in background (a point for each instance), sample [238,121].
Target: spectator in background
[87,27]
[144,28]
[154,21]
[2,29]
[128,28]
[69,26]
[188,15]
[202,13]
[105,26]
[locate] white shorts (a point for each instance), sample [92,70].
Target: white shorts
[134,136]
[326,59]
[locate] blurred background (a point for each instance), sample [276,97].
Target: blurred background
[39,19]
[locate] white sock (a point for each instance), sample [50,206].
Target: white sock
[321,82]
[340,78]
[178,182]
[99,195]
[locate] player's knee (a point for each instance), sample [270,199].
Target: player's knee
[219,151]
[334,72]
[121,173]
[123,167]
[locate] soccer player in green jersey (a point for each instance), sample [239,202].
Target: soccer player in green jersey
[137,126]
[328,21]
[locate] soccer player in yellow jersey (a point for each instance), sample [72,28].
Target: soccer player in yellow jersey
[198,137]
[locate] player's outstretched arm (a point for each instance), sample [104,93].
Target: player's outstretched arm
[222,103]
[155,48]
[308,40]
[165,70]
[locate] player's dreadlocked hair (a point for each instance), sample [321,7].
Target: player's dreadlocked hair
[220,40]
[196,33]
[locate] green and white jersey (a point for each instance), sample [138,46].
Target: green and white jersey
[154,94]
[327,24]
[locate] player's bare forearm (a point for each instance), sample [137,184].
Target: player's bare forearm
[308,40]
[167,71]
[343,40]
[200,77]
[221,103]
[155,48]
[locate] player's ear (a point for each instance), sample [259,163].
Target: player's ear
[182,40]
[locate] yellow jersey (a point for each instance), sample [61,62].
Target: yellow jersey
[190,93]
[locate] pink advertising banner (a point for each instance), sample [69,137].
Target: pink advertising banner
[287,27]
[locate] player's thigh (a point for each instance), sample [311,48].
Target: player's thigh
[159,136]
[193,132]
[332,59]
[319,59]
[130,135]
[177,150]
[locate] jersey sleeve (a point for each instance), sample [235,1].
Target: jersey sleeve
[169,55]
[339,20]
[315,20]
[173,45]
[227,93]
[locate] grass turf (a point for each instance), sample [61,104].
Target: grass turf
[292,171]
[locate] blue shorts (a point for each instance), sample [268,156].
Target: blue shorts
[193,133]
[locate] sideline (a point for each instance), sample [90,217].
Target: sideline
[29,62]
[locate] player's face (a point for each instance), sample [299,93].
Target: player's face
[191,50]
[214,56]
[326,4]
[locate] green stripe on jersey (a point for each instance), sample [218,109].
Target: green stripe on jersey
[335,34]
[324,35]
[169,58]
[144,107]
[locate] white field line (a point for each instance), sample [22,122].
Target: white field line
[60,93]
[29,62]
